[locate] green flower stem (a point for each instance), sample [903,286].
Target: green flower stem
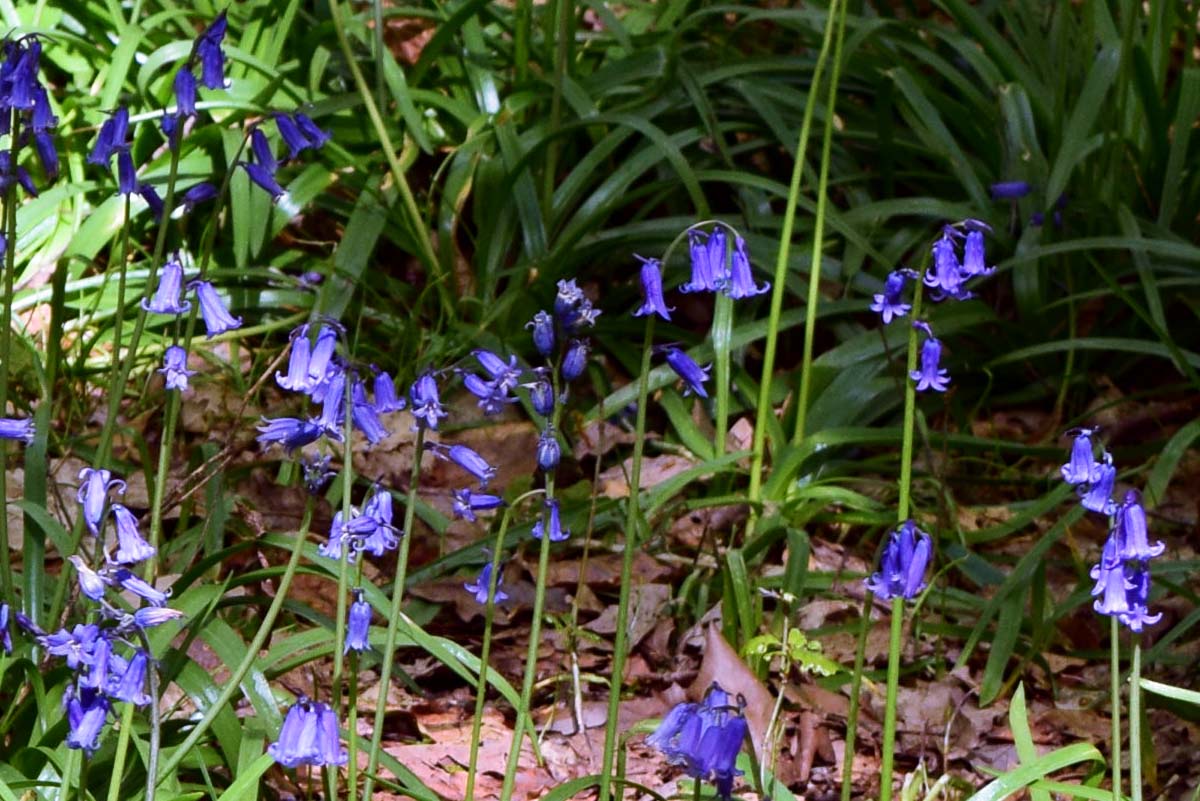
[778,287]
[1135,721]
[485,652]
[632,521]
[253,649]
[814,273]
[118,766]
[412,215]
[352,713]
[888,751]
[339,622]
[903,504]
[389,648]
[1114,669]
[155,719]
[564,17]
[722,334]
[10,270]
[535,640]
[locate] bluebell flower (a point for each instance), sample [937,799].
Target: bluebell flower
[704,277]
[378,509]
[316,473]
[358,625]
[155,203]
[652,290]
[493,395]
[1098,496]
[1137,598]
[364,415]
[6,628]
[543,332]
[130,684]
[93,494]
[333,406]
[264,178]
[170,124]
[426,405]
[174,368]
[75,646]
[309,736]
[313,133]
[715,245]
[1082,468]
[217,320]
[741,278]
[297,377]
[1112,588]
[479,587]
[386,399]
[930,375]
[17,428]
[185,91]
[43,145]
[902,567]
[685,367]
[548,450]
[1134,538]
[467,503]
[140,587]
[567,299]
[291,135]
[974,261]
[22,84]
[947,276]
[291,432]
[322,356]
[575,360]
[466,458]
[550,521]
[705,738]
[212,58]
[506,374]
[262,151]
[87,712]
[96,676]
[91,584]
[341,538]
[1010,189]
[195,195]
[131,547]
[127,182]
[166,299]
[541,393]
[890,303]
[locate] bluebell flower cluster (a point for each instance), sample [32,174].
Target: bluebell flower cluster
[958,256]
[24,99]
[309,736]
[209,55]
[713,270]
[1122,577]
[903,564]
[298,132]
[316,371]
[705,738]
[106,653]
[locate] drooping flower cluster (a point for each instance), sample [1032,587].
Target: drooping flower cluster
[108,653]
[902,567]
[309,736]
[318,372]
[22,93]
[714,271]
[947,278]
[705,738]
[298,132]
[1122,577]
[208,52]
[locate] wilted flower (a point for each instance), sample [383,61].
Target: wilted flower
[685,367]
[479,587]
[217,320]
[467,503]
[18,428]
[358,625]
[652,290]
[890,303]
[167,298]
[131,548]
[93,494]
[174,368]
[557,532]
[902,568]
